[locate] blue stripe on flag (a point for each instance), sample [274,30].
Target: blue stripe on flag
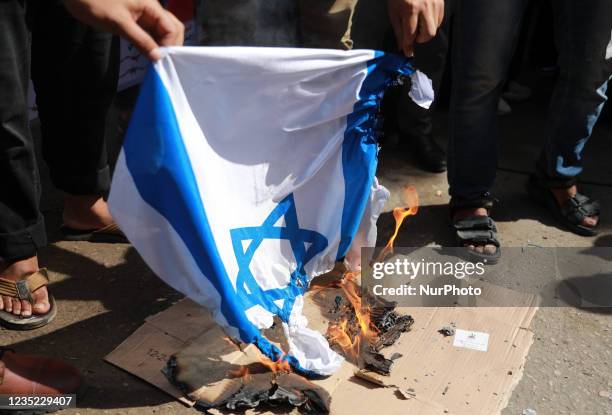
[159,165]
[360,146]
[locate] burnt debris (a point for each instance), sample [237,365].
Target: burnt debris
[376,362]
[253,385]
[391,325]
[385,328]
[274,389]
[449,330]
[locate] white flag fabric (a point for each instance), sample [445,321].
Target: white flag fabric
[245,172]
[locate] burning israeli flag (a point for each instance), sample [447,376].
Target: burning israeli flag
[246,172]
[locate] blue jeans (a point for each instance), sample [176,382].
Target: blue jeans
[583,35]
[483,38]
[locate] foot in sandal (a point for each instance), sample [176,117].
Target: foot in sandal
[87,218]
[25,303]
[577,212]
[563,195]
[475,230]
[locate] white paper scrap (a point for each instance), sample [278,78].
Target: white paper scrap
[421,91]
[475,340]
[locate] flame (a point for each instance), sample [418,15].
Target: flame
[244,371]
[411,198]
[241,372]
[280,366]
[340,333]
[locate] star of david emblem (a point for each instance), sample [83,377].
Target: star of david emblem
[305,245]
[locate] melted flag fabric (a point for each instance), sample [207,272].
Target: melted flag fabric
[246,172]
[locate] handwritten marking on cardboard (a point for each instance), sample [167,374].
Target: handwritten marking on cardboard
[474,340]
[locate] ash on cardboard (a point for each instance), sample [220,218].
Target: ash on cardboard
[439,376]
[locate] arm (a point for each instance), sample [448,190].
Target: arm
[143,22]
[415,20]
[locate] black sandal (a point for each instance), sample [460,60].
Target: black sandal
[23,290]
[107,234]
[476,230]
[571,213]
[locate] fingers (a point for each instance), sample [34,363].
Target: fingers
[162,27]
[410,27]
[440,12]
[145,23]
[140,38]
[174,31]
[396,24]
[428,24]
[415,21]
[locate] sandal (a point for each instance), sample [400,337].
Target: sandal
[107,234]
[476,230]
[23,290]
[571,213]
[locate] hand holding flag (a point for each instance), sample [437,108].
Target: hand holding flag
[145,23]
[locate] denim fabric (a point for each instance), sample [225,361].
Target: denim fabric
[483,37]
[583,31]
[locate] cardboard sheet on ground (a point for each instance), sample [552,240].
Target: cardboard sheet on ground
[443,378]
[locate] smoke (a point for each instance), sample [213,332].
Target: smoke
[248,22]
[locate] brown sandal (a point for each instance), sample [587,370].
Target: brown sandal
[23,289]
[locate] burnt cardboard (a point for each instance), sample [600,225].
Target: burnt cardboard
[431,377]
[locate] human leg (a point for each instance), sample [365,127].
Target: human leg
[22,229]
[583,40]
[74,70]
[484,34]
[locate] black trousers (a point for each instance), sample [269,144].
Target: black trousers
[74,70]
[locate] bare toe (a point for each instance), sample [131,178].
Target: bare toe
[16,306]
[41,301]
[590,221]
[480,249]
[26,309]
[8,304]
[490,249]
